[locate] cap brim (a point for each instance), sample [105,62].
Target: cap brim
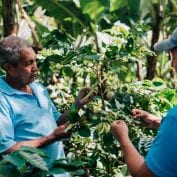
[164,45]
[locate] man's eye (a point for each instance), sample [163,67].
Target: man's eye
[29,63]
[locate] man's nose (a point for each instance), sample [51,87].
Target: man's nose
[35,67]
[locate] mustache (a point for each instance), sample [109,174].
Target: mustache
[34,74]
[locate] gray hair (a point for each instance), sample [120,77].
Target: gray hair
[10,48]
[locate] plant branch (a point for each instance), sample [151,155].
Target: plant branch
[26,17]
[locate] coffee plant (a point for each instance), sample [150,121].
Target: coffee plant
[107,71]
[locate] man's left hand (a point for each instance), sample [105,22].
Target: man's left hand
[84,97]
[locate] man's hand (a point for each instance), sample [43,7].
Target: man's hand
[150,119]
[85,96]
[119,130]
[59,133]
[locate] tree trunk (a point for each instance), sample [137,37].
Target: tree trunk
[151,60]
[9,17]
[139,70]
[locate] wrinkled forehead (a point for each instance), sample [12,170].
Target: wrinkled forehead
[27,54]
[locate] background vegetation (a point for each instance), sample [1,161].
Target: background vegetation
[106,45]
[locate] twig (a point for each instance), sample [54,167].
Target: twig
[26,17]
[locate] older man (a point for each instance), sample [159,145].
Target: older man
[27,115]
[161,159]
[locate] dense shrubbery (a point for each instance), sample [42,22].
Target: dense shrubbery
[69,69]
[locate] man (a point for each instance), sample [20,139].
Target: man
[161,160]
[27,115]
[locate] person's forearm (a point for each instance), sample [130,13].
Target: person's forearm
[37,143]
[132,157]
[64,117]
[135,162]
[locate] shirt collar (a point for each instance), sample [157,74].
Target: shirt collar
[5,88]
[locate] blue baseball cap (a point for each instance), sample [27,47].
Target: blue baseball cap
[167,44]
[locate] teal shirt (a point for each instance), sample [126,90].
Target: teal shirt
[162,156]
[26,117]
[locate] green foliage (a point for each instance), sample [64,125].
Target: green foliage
[68,15]
[94,9]
[24,162]
[74,166]
[34,160]
[150,96]
[28,161]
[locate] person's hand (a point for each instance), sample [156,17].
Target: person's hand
[85,95]
[59,133]
[119,129]
[150,119]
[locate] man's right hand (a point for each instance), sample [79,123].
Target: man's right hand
[59,133]
[119,130]
[150,119]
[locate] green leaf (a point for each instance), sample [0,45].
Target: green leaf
[45,67]
[66,13]
[34,159]
[92,57]
[64,164]
[108,139]
[15,159]
[7,171]
[67,71]
[38,151]
[73,117]
[130,44]
[134,7]
[56,170]
[55,58]
[158,82]
[116,4]
[39,27]
[79,172]
[72,165]
[93,8]
[84,131]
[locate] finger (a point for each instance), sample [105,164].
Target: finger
[85,90]
[61,127]
[118,122]
[139,116]
[67,123]
[91,97]
[65,135]
[136,111]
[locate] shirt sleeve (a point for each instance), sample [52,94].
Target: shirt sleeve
[162,157]
[6,129]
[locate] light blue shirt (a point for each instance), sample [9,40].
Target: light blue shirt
[162,156]
[26,117]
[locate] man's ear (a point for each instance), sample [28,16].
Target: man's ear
[10,69]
